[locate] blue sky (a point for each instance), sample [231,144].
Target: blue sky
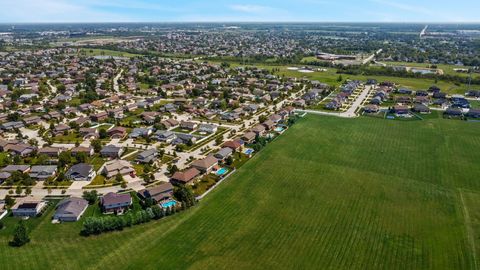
[241,10]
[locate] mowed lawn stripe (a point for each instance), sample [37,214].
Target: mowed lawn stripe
[328,194]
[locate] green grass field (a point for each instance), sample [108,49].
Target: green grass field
[330,77]
[101,52]
[447,69]
[330,193]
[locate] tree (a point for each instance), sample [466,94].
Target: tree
[218,140]
[185,195]
[90,196]
[81,157]
[9,201]
[28,191]
[20,235]
[18,190]
[64,159]
[103,133]
[97,145]
[119,178]
[229,160]
[340,78]
[172,169]
[124,184]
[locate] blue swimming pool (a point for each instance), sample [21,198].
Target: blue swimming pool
[279,129]
[221,171]
[169,204]
[248,151]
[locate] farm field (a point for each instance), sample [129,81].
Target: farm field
[330,193]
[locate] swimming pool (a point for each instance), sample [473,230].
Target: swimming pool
[279,129]
[169,204]
[248,151]
[221,171]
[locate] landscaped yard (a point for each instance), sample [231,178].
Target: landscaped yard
[330,193]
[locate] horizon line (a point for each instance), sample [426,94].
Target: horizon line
[245,22]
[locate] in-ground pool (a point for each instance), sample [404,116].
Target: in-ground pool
[169,204]
[279,129]
[248,151]
[221,171]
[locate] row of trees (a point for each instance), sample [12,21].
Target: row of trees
[98,225]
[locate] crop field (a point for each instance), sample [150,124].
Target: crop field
[330,193]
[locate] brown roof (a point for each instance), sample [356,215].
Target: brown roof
[205,163]
[186,176]
[249,135]
[232,144]
[114,198]
[157,192]
[117,130]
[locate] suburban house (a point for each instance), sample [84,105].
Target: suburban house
[371,108]
[111,151]
[19,149]
[118,166]
[453,112]
[32,120]
[421,108]
[28,208]
[207,128]
[235,145]
[164,136]
[170,123]
[42,172]
[81,172]
[60,129]
[259,130]
[249,137]
[276,118]
[223,153]
[115,203]
[16,168]
[269,124]
[50,151]
[473,113]
[82,149]
[186,177]
[184,139]
[401,110]
[140,132]
[158,194]
[205,165]
[99,116]
[147,156]
[89,133]
[70,209]
[188,125]
[117,133]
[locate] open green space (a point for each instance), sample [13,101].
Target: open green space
[330,193]
[447,69]
[331,77]
[102,52]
